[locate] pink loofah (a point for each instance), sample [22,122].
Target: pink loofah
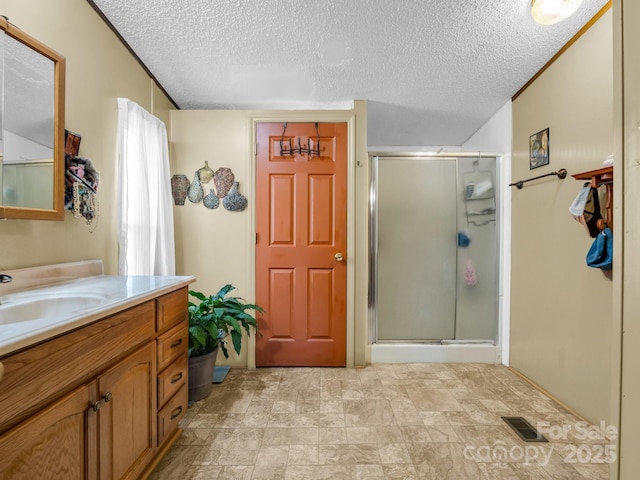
[470,273]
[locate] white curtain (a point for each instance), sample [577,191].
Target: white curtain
[146,211]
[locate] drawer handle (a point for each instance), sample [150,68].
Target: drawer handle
[177,343]
[176,413]
[176,378]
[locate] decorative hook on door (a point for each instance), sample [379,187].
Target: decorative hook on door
[309,148]
[286,151]
[300,149]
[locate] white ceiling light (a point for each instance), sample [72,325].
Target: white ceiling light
[548,12]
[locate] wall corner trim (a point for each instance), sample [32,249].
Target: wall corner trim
[566,46]
[130,50]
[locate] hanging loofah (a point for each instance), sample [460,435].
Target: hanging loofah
[470,274]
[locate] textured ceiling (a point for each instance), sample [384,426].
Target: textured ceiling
[432,71]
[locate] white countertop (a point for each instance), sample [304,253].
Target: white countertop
[109,294]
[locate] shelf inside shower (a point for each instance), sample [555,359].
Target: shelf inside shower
[479,196]
[486,211]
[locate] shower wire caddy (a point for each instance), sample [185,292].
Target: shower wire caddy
[479,196]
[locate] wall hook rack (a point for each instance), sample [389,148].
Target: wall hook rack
[309,150]
[300,149]
[283,150]
[562,173]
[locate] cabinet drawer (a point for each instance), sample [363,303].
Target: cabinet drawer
[171,379]
[172,309]
[170,415]
[172,344]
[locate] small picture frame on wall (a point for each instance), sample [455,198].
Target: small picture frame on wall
[539,149]
[71,143]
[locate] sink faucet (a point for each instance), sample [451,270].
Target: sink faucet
[4,279]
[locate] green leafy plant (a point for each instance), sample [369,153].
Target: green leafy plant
[217,317]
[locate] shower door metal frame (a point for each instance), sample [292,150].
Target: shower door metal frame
[372,320]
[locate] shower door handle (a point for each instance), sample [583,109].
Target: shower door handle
[339,257]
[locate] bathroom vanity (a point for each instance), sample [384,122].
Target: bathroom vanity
[93,388]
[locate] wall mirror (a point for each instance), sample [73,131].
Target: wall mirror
[31,127]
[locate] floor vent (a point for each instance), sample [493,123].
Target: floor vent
[524,429]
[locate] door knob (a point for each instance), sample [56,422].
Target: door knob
[339,257]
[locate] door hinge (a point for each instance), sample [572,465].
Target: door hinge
[255,150]
[256,238]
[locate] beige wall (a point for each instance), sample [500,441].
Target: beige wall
[98,70]
[627,39]
[561,310]
[218,247]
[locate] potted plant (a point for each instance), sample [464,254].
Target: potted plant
[211,322]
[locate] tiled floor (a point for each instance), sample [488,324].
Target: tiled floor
[410,421]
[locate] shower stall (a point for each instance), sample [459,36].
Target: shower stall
[434,257]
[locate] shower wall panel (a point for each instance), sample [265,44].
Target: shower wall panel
[416,217]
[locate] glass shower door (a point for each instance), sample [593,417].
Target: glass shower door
[416,234]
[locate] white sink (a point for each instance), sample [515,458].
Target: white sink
[23,308]
[44,301]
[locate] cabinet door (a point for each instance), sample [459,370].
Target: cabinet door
[53,444]
[126,417]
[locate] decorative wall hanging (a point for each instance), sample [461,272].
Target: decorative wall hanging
[81,187]
[211,200]
[234,201]
[223,181]
[225,191]
[539,149]
[195,192]
[179,188]
[205,173]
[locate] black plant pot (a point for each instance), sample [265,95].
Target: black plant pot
[201,375]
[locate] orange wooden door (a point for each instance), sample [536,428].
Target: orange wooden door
[301,223]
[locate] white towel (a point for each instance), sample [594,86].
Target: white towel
[577,207]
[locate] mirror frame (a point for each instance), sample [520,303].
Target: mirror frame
[57,212]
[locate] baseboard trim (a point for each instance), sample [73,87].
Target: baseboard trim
[543,391]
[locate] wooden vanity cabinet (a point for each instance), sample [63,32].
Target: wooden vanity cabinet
[86,404]
[126,416]
[53,443]
[172,346]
